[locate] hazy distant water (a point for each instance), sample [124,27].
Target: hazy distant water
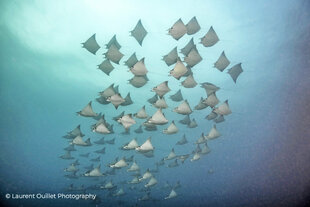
[262,157]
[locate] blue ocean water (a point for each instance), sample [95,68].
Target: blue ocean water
[262,157]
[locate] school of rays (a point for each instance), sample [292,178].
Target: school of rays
[141,179]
